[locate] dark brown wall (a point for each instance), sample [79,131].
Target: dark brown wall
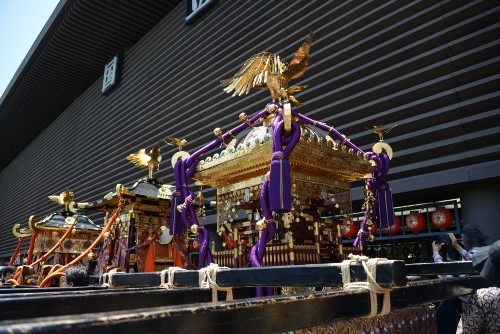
[431,68]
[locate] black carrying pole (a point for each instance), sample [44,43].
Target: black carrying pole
[389,273]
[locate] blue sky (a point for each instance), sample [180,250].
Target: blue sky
[20,23]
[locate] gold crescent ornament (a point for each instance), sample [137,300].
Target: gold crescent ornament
[382,146]
[181,155]
[287,117]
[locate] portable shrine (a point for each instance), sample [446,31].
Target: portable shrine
[276,185]
[139,239]
[320,170]
[60,237]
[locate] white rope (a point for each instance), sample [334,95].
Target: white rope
[169,274]
[107,279]
[207,279]
[370,266]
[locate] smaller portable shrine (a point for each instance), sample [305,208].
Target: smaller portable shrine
[60,237]
[320,171]
[138,239]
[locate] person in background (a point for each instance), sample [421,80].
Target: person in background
[8,273]
[481,314]
[441,251]
[448,311]
[473,239]
[76,276]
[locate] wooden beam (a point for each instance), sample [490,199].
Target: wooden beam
[440,268]
[58,303]
[20,290]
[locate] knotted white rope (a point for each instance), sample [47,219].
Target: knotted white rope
[207,279]
[370,266]
[169,274]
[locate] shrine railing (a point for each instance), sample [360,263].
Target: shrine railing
[276,255]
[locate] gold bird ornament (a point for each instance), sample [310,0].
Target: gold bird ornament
[265,69]
[64,198]
[171,141]
[144,160]
[380,131]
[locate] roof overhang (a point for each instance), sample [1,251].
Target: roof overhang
[69,55]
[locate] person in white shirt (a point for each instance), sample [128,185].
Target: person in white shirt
[473,239]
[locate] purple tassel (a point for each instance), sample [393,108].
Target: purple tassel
[384,195]
[176,223]
[281,199]
[280,187]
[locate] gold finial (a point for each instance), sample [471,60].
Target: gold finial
[171,141]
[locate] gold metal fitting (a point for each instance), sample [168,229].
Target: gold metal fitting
[179,207]
[261,225]
[245,119]
[106,235]
[91,256]
[272,108]
[194,228]
[217,132]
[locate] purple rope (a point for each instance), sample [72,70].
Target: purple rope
[329,129]
[217,142]
[258,250]
[189,215]
[381,203]
[176,223]
[184,170]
